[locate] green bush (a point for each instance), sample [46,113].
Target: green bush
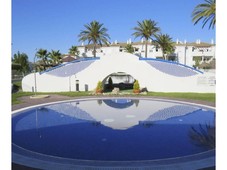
[99,86]
[136,85]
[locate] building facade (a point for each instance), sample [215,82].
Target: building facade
[185,52]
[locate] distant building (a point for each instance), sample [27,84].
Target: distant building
[68,58]
[185,52]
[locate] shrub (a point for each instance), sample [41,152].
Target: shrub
[99,87]
[136,86]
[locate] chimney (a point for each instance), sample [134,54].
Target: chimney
[177,41]
[82,43]
[115,42]
[129,41]
[185,41]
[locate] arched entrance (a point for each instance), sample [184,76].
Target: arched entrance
[120,80]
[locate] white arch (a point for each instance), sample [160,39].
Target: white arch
[147,75]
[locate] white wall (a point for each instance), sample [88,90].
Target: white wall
[45,83]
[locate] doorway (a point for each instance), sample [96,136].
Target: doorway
[120,80]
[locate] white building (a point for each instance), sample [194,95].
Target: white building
[185,52]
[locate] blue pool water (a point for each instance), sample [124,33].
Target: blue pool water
[115,130]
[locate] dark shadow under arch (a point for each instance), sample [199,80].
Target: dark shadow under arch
[120,80]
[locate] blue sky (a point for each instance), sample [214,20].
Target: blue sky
[55,24]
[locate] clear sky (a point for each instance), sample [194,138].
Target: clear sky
[55,24]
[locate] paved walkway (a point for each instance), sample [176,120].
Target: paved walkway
[27,101]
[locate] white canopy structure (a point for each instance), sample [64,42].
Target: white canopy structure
[155,75]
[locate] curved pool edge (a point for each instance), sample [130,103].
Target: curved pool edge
[41,161]
[113,97]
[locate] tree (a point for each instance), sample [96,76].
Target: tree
[205,12]
[43,55]
[129,48]
[95,33]
[20,62]
[166,44]
[74,51]
[55,57]
[146,29]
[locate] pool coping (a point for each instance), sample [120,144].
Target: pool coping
[36,160]
[44,101]
[26,101]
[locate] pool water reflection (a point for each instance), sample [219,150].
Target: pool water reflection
[116,130]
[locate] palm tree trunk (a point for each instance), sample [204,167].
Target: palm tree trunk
[163,55]
[44,65]
[146,48]
[94,50]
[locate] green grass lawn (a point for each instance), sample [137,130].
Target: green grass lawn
[193,96]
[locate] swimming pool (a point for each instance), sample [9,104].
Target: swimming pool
[115,133]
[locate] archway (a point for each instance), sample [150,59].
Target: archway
[120,80]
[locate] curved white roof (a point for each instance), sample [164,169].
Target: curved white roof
[155,75]
[70,68]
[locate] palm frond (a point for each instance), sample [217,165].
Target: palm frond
[94,32]
[205,11]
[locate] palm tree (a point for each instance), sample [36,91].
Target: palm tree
[205,11]
[55,57]
[95,33]
[166,44]
[146,29]
[129,48]
[20,62]
[43,55]
[74,51]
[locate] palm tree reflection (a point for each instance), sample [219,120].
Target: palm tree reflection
[203,136]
